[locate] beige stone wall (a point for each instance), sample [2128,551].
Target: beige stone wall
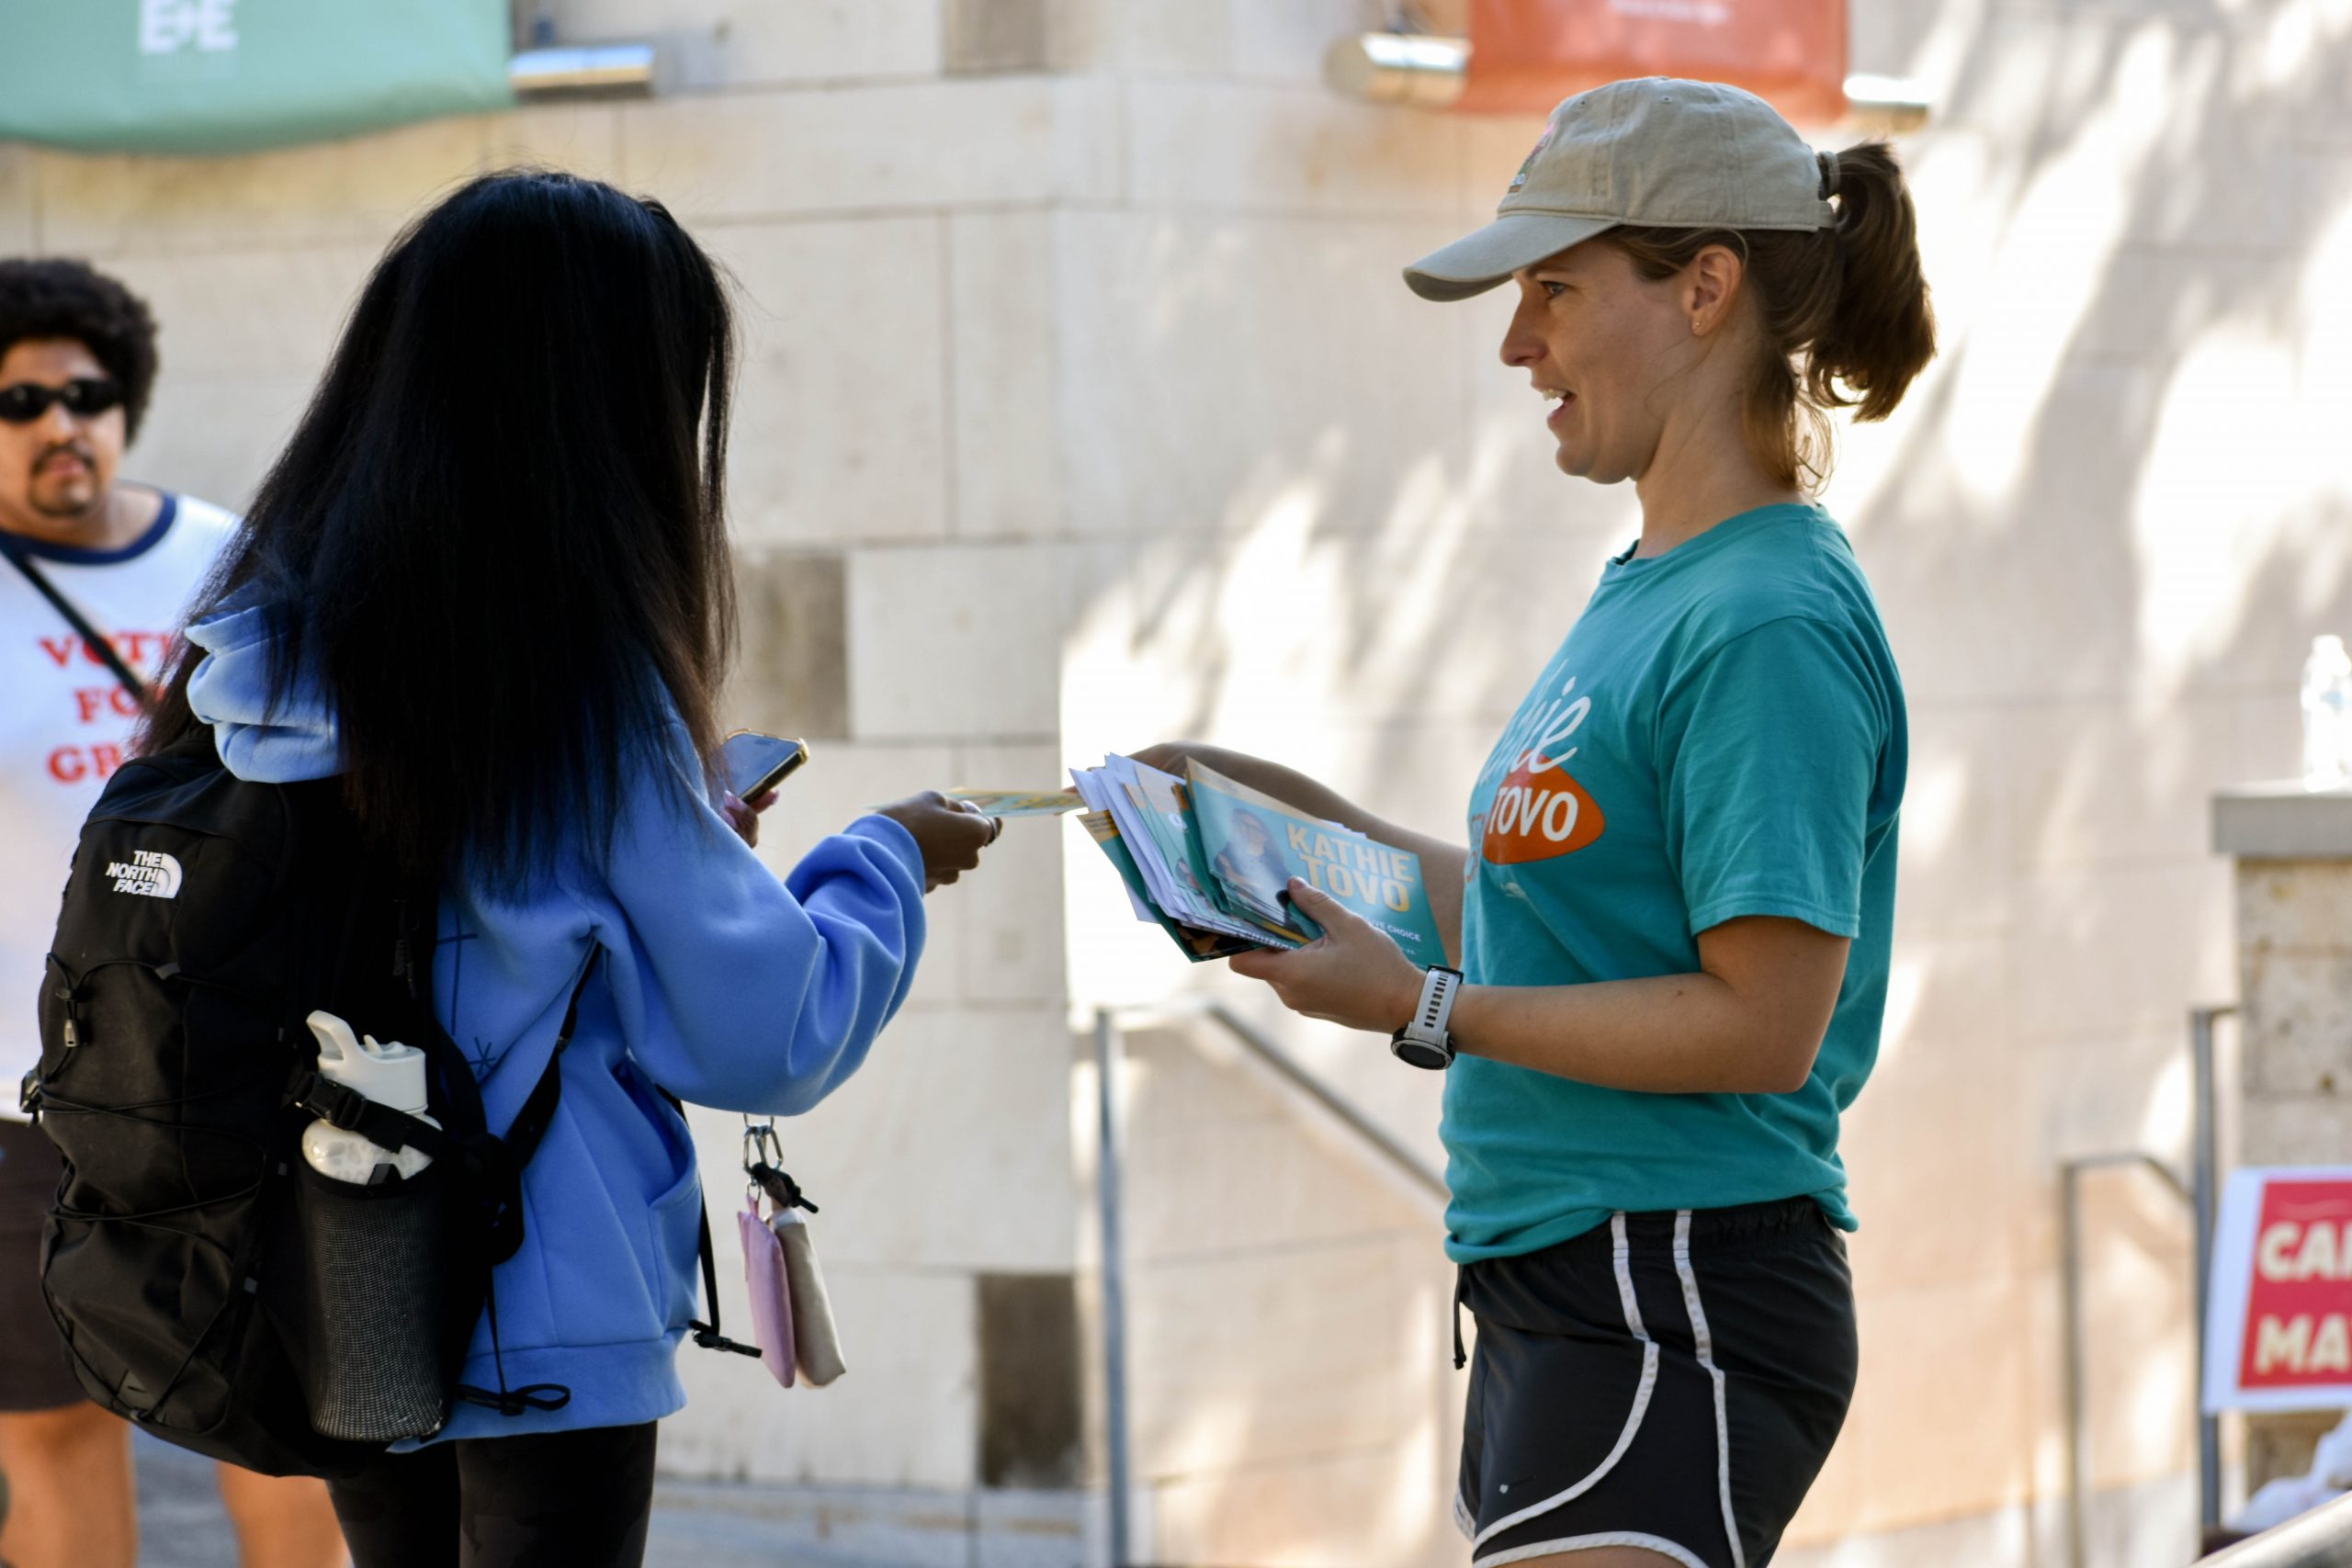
[1093,395]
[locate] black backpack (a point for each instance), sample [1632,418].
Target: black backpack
[193,1261]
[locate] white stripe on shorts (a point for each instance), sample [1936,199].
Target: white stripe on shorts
[1706,1348]
[1623,1256]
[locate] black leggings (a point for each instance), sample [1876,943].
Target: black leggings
[574,1499]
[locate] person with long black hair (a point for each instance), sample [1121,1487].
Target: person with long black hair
[488,584]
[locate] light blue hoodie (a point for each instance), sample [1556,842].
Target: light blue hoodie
[718,983]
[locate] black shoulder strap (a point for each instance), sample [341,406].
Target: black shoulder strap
[706,1335]
[98,643]
[531,1123]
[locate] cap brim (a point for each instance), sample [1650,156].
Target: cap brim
[1478,261]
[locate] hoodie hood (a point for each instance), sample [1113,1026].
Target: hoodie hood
[286,743]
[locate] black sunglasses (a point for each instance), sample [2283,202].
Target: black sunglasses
[83,397]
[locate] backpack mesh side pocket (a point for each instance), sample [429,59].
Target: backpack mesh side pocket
[374,1280]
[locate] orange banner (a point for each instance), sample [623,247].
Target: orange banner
[1526,55]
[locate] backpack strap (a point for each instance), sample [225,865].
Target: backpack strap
[499,1162]
[706,1335]
[97,641]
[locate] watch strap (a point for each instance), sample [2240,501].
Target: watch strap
[1425,1041]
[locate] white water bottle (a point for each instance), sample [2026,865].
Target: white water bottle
[2327,713]
[390,1074]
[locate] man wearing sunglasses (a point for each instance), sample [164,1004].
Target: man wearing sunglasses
[94,574]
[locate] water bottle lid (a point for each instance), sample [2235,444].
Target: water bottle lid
[388,1073]
[2328,643]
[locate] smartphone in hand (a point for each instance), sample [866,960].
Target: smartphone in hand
[756,763]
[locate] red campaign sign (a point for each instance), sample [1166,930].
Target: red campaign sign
[2278,1328]
[1526,55]
[2297,1331]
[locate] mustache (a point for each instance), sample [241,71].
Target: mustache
[89,459]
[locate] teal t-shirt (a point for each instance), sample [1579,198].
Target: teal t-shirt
[1722,734]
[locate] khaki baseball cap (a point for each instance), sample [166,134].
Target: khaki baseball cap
[1653,153]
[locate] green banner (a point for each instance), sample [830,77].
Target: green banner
[198,76]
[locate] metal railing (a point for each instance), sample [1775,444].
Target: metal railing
[2321,1538]
[2197,1192]
[1280,1070]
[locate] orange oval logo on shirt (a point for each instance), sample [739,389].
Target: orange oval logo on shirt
[1539,816]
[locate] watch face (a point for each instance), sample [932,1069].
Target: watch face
[1421,1054]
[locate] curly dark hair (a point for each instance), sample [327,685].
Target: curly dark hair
[57,297]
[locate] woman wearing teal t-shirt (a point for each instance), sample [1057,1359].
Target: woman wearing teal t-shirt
[1672,917]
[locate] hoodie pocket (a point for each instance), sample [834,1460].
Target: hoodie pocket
[673,1225]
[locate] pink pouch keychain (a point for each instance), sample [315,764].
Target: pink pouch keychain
[771,1296]
[764,1271]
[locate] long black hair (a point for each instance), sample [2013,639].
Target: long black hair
[497,539]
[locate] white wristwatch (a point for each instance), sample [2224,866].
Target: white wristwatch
[1423,1041]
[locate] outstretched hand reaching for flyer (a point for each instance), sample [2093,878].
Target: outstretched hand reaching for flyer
[1354,974]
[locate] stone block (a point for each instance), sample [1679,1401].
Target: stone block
[2297,1130]
[1975,615]
[1347,402]
[793,677]
[1288,150]
[733,1523]
[1136,38]
[1935,1444]
[215,437]
[1958,854]
[271,314]
[2153,302]
[961,642]
[1238,1361]
[1037,1529]
[1206,1137]
[581,138]
[1288,43]
[2128,945]
[1005,384]
[1941,1209]
[987,36]
[1337,1510]
[357,191]
[2298,1023]
[905,1414]
[2282,821]
[20,207]
[2294,906]
[2094,784]
[900,146]
[839,420]
[709,44]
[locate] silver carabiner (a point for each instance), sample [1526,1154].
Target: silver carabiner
[759,1147]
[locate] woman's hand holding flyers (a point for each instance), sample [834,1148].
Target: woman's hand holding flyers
[1352,974]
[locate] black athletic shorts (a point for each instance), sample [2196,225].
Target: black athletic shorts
[34,1371]
[1671,1380]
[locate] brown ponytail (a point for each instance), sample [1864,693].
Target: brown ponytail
[1844,316]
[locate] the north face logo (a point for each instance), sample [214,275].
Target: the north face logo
[150,873]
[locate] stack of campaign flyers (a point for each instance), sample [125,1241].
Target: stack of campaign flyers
[1210,860]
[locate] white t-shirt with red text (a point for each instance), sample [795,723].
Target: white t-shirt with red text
[66,723]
